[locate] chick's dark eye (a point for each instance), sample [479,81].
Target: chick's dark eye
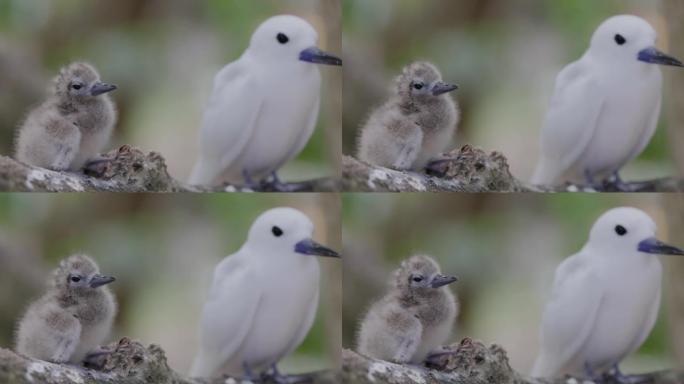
[620,40]
[75,279]
[282,38]
[418,86]
[620,230]
[417,279]
[277,232]
[77,86]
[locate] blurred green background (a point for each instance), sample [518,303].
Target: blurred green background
[162,249]
[504,249]
[163,55]
[505,55]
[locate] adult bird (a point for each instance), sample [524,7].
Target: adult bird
[264,106]
[605,106]
[605,298]
[263,299]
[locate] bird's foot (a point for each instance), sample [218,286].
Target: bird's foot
[97,167]
[274,376]
[97,358]
[616,376]
[616,184]
[438,359]
[276,185]
[439,167]
[249,374]
[249,181]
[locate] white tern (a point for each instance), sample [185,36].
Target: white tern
[605,298]
[263,298]
[605,106]
[264,106]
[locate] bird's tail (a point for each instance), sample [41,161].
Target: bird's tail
[541,368]
[543,175]
[201,174]
[201,367]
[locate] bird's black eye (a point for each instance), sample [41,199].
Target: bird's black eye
[418,86]
[282,38]
[75,279]
[620,40]
[76,86]
[417,279]
[277,232]
[620,230]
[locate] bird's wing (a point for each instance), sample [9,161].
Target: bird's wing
[306,325]
[227,316]
[408,146]
[570,122]
[305,134]
[408,336]
[650,322]
[650,130]
[569,316]
[64,333]
[229,120]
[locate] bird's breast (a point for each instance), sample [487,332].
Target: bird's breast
[289,293]
[625,124]
[631,292]
[285,122]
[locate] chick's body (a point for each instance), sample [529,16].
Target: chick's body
[414,318]
[72,126]
[415,126]
[72,318]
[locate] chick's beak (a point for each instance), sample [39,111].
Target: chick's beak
[100,88]
[442,88]
[99,280]
[312,248]
[441,280]
[317,56]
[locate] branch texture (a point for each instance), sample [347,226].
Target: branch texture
[126,169]
[128,362]
[473,170]
[468,362]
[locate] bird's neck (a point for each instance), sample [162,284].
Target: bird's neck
[427,113]
[82,303]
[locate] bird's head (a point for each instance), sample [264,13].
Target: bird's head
[421,82]
[628,39]
[79,274]
[624,231]
[289,38]
[80,82]
[283,231]
[420,275]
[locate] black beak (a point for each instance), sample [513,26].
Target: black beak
[657,247]
[653,56]
[317,56]
[100,88]
[441,280]
[310,247]
[442,88]
[99,280]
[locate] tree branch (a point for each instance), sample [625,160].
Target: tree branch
[472,170]
[128,362]
[126,169]
[468,362]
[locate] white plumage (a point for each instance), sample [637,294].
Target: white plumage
[264,106]
[605,298]
[263,298]
[605,106]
